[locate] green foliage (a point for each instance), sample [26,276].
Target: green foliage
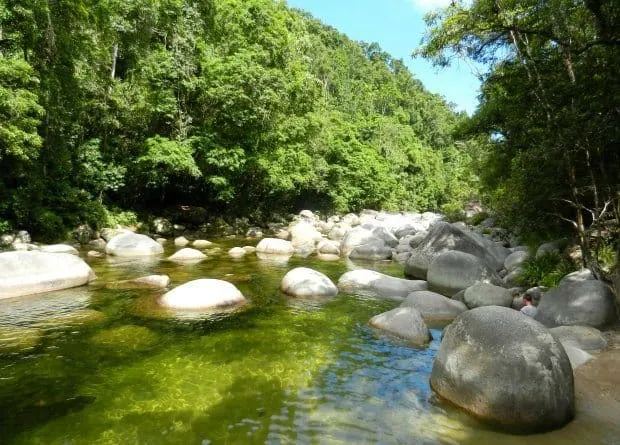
[5,226]
[546,270]
[478,218]
[114,216]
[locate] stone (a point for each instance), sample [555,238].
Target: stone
[181,241]
[351,219]
[588,303]
[307,214]
[249,249]
[202,244]
[254,232]
[237,252]
[360,243]
[576,356]
[417,239]
[275,246]
[6,240]
[444,237]
[579,275]
[59,248]
[125,340]
[328,247]
[22,237]
[25,273]
[203,294]
[512,277]
[97,244]
[161,241]
[515,260]
[282,234]
[582,337]
[486,294]
[505,369]
[131,244]
[162,226]
[305,282]
[147,282]
[556,246]
[383,234]
[95,254]
[16,339]
[107,233]
[338,232]
[453,271]
[375,284]
[401,258]
[433,306]
[187,254]
[304,237]
[403,322]
[82,234]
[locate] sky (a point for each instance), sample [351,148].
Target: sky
[398,27]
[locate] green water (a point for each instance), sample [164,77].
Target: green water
[93,365]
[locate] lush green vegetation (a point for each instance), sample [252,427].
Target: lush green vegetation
[549,110]
[244,107]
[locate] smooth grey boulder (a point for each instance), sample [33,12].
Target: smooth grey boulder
[237,252]
[512,277]
[443,237]
[576,356]
[360,243]
[25,273]
[486,294]
[59,248]
[147,282]
[131,244]
[187,254]
[181,241]
[403,322]
[275,246]
[433,306]
[417,239]
[305,282]
[202,244]
[552,247]
[401,258]
[579,275]
[515,260]
[453,271]
[203,294]
[162,226]
[383,234]
[505,369]
[328,247]
[375,284]
[304,237]
[588,303]
[582,337]
[338,232]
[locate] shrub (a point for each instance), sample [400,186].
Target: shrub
[546,270]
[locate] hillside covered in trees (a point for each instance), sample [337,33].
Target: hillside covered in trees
[244,107]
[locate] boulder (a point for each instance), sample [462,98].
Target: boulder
[254,232]
[403,322]
[338,232]
[275,246]
[6,240]
[162,226]
[22,237]
[83,234]
[582,337]
[203,294]
[131,244]
[433,306]
[25,273]
[187,254]
[589,303]
[556,246]
[304,237]
[59,248]
[181,241]
[148,282]
[486,294]
[579,275]
[383,234]
[515,260]
[453,271]
[401,258]
[97,244]
[328,247]
[237,252]
[282,234]
[512,277]
[576,356]
[305,282]
[107,233]
[444,237]
[417,239]
[375,284]
[360,243]
[506,369]
[249,249]
[202,244]
[351,219]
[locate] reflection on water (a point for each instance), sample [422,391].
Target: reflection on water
[109,366]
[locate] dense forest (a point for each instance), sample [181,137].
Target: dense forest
[243,107]
[550,107]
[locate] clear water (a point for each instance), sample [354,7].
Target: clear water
[94,365]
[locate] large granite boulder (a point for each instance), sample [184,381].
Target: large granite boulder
[433,306]
[25,273]
[516,259]
[582,337]
[403,322]
[506,369]
[453,271]
[382,233]
[131,244]
[486,294]
[203,294]
[275,246]
[375,284]
[59,248]
[363,244]
[305,282]
[444,237]
[588,303]
[556,246]
[304,237]
[187,254]
[579,275]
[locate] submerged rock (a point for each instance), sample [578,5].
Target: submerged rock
[125,339]
[202,244]
[376,284]
[305,282]
[403,322]
[187,254]
[203,294]
[147,282]
[15,339]
[25,273]
[237,252]
[506,369]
